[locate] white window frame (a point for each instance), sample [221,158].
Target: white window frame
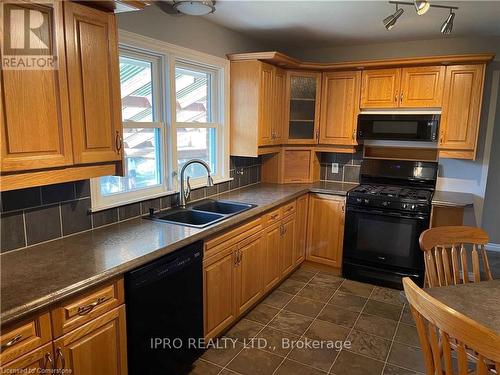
[168,55]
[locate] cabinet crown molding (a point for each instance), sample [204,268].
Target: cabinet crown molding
[284,61]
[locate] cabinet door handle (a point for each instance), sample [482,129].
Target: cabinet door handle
[396,97]
[354,134]
[84,310]
[11,342]
[118,142]
[59,354]
[240,256]
[401,98]
[48,360]
[343,208]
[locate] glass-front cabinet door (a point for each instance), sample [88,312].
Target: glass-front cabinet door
[303,90]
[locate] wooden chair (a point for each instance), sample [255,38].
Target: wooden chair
[442,330]
[445,254]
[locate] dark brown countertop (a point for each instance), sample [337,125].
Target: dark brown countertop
[452,199]
[34,277]
[478,301]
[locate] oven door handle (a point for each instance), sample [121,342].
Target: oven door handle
[386,213]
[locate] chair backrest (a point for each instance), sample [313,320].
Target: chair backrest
[442,330]
[445,254]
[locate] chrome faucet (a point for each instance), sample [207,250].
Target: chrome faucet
[185,193]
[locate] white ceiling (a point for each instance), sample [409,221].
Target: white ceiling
[311,24]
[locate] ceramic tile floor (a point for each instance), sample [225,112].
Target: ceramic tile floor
[313,305]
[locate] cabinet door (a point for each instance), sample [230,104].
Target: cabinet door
[301,228]
[461,111]
[219,291]
[326,229]
[266,105]
[34,108]
[272,264]
[280,108]
[288,244]
[340,106]
[303,96]
[94,90]
[380,88]
[422,86]
[33,362]
[98,347]
[249,281]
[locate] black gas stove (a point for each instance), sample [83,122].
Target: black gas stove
[385,216]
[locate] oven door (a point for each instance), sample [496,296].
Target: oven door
[384,237]
[399,127]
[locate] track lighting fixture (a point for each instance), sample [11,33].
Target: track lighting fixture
[391,20]
[447,26]
[421,6]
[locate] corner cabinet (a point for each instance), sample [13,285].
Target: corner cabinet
[325,233]
[304,94]
[64,124]
[461,111]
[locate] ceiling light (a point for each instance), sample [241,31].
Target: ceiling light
[195,8]
[422,6]
[390,21]
[447,26]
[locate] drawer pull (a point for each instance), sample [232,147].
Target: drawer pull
[289,209]
[59,354]
[12,341]
[274,217]
[84,310]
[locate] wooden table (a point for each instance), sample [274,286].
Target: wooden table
[479,301]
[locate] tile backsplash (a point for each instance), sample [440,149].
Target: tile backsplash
[34,215]
[348,166]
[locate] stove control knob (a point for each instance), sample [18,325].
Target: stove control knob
[386,203]
[359,200]
[404,206]
[366,201]
[413,207]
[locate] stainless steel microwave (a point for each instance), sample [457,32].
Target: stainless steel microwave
[399,127]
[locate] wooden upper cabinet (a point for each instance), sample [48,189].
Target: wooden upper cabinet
[266,105]
[34,109]
[93,77]
[380,88]
[303,97]
[422,86]
[462,98]
[280,106]
[339,107]
[325,229]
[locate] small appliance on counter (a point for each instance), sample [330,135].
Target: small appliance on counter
[165,313]
[385,216]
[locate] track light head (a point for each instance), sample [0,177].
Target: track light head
[391,20]
[447,26]
[422,6]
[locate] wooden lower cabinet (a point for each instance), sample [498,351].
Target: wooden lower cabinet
[248,272]
[98,347]
[288,244]
[301,229]
[218,291]
[325,229]
[272,266]
[33,362]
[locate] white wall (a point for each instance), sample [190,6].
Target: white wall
[187,31]
[480,177]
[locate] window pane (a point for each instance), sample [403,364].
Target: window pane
[142,162]
[193,143]
[192,95]
[136,90]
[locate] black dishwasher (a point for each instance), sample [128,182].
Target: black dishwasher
[164,304]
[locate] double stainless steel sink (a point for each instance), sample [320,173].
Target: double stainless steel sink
[202,214]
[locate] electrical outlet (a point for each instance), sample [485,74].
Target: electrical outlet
[335,167]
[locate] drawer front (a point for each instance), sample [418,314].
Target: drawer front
[288,208]
[76,311]
[273,217]
[21,338]
[31,363]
